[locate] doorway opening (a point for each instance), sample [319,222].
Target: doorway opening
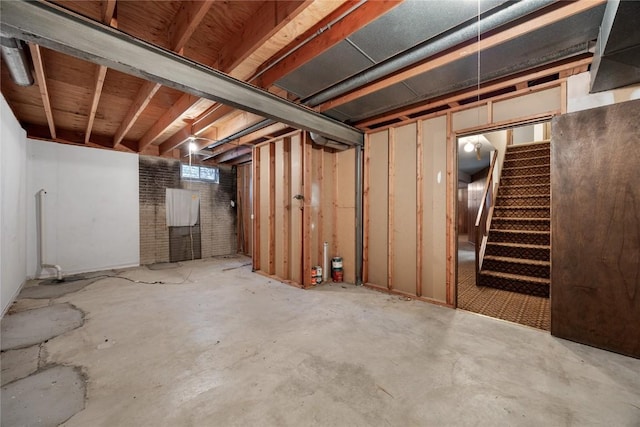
[504,224]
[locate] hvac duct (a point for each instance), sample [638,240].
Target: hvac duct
[15,58]
[321,140]
[428,49]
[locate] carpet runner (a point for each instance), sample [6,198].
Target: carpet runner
[517,256]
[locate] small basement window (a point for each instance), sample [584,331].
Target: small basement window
[201,173]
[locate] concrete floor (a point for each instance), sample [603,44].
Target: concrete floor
[225,347]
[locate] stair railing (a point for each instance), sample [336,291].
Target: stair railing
[483,219]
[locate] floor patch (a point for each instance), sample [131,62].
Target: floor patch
[30,327]
[47,398]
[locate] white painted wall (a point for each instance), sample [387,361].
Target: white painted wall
[13,237]
[579,98]
[92,208]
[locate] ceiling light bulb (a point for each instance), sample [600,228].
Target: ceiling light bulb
[469,147]
[193,147]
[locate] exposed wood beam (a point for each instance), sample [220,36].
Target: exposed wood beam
[263,133]
[181,29]
[167,119]
[232,154]
[565,10]
[176,140]
[331,36]
[108,8]
[186,22]
[101,73]
[41,78]
[66,136]
[267,21]
[75,35]
[210,117]
[142,99]
[453,99]
[240,160]
[108,11]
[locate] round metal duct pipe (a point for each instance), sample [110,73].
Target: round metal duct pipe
[17,61]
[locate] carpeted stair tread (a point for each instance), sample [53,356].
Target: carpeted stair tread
[524,167]
[524,219]
[522,207]
[519,245]
[516,277]
[524,185]
[521,196]
[548,156]
[517,260]
[518,231]
[529,176]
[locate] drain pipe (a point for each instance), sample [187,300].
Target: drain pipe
[428,49]
[44,265]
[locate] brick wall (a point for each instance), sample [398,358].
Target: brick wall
[217,218]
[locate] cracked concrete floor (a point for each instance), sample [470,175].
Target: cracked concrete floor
[218,345]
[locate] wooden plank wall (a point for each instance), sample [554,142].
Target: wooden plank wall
[292,236]
[406,209]
[595,251]
[410,192]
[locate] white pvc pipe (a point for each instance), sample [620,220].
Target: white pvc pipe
[325,261]
[41,218]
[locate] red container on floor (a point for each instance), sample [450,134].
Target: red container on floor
[337,275]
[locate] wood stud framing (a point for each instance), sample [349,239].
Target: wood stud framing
[419,206]
[391,208]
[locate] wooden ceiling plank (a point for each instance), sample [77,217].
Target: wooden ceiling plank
[141,101]
[184,24]
[269,19]
[453,100]
[263,133]
[167,119]
[333,35]
[36,56]
[566,10]
[210,117]
[108,11]
[175,141]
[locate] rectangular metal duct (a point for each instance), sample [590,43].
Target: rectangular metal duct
[617,58]
[58,29]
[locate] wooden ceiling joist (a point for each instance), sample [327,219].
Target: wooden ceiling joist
[181,29]
[564,11]
[232,154]
[266,22]
[329,37]
[269,19]
[108,11]
[41,79]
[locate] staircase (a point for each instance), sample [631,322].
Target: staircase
[517,255]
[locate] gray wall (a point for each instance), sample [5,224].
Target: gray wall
[217,224]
